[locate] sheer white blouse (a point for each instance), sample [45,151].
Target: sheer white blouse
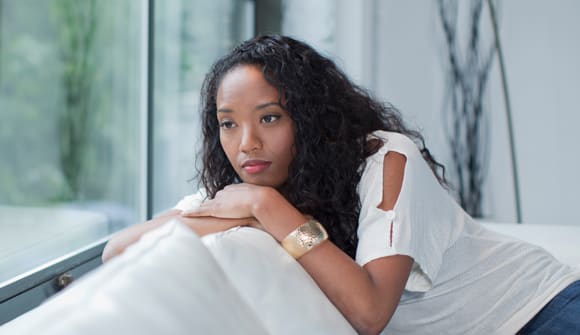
[465,279]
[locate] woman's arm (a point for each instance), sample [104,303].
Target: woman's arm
[122,239]
[367,296]
[200,225]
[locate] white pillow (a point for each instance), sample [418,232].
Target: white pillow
[274,285]
[167,283]
[170,283]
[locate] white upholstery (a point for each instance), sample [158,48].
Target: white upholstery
[274,284]
[562,241]
[235,282]
[169,283]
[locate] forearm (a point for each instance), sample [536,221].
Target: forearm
[350,287]
[367,306]
[200,225]
[122,239]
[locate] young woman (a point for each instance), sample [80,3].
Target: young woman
[292,147]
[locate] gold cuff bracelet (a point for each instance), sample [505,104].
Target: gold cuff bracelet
[304,238]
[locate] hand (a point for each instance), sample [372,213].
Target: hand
[200,225]
[235,201]
[204,225]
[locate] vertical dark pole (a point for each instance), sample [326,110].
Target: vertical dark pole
[150,101]
[507,110]
[268,17]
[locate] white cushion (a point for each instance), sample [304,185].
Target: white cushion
[167,283]
[170,283]
[562,241]
[274,285]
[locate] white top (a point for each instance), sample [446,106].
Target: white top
[465,279]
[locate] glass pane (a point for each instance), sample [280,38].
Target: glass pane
[314,22]
[189,37]
[70,131]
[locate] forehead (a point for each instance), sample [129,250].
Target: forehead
[245,83]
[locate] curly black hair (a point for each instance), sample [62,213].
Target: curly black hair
[332,118]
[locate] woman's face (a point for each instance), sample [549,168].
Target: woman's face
[256,132]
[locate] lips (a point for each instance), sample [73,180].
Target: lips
[255,166]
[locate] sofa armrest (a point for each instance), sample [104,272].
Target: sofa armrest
[171,282]
[562,241]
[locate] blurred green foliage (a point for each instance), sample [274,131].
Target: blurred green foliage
[76,23]
[70,86]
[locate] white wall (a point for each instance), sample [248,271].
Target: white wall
[396,49]
[541,42]
[340,29]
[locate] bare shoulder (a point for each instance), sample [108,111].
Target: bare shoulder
[393,173]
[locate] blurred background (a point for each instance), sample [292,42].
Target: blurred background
[99,106]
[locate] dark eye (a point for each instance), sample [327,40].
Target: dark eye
[269,118]
[226,124]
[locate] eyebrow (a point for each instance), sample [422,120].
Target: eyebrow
[258,107]
[267,104]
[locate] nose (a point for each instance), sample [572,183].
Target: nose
[250,140]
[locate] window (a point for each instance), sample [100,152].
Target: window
[75,119]
[70,80]
[187,42]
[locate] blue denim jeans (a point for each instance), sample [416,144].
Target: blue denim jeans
[560,316]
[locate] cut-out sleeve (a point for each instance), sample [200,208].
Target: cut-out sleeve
[423,223]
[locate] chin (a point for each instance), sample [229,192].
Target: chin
[256,180]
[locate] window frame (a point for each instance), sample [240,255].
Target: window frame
[22,293]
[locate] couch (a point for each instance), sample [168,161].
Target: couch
[239,281]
